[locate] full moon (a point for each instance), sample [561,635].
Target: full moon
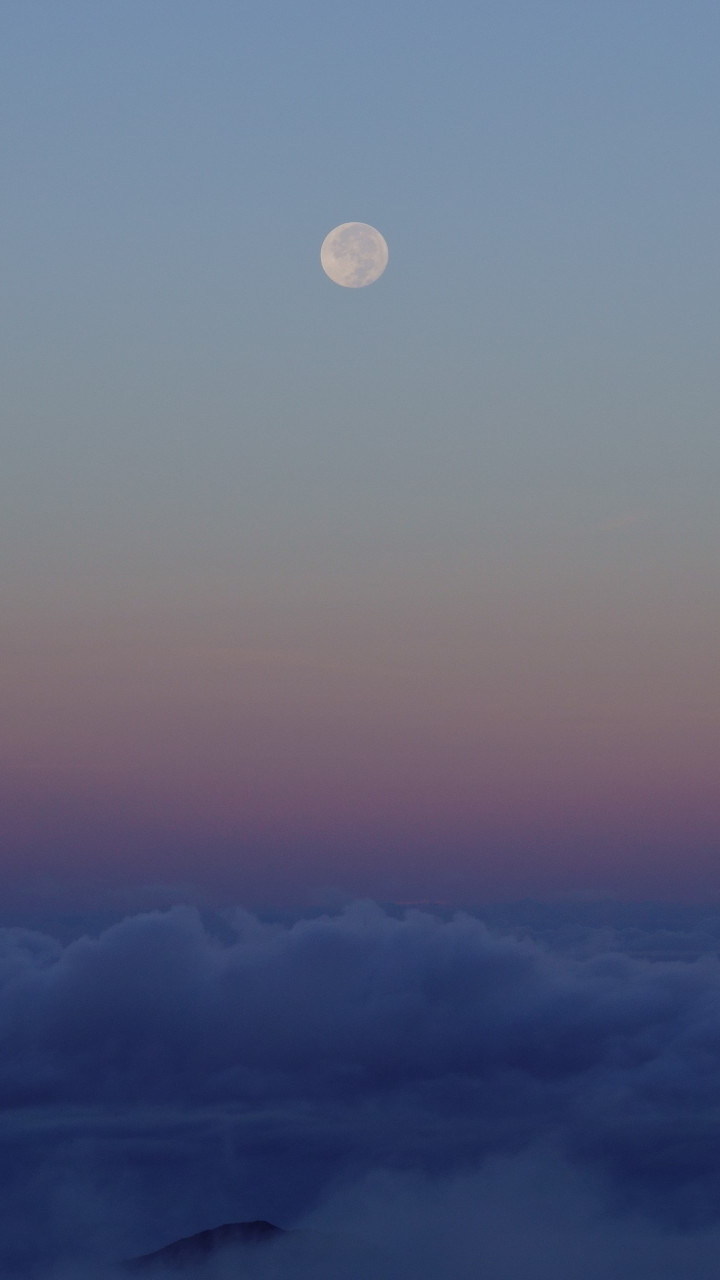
[354,254]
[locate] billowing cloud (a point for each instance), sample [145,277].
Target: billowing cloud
[161,1078]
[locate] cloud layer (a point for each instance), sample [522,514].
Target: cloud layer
[161,1078]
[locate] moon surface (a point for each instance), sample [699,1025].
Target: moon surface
[354,254]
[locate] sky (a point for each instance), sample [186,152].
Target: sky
[408,591]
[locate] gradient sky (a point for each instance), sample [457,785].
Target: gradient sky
[409,590]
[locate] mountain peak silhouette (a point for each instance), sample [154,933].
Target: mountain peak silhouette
[190,1250]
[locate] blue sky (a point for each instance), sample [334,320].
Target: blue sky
[499,463]
[545,177]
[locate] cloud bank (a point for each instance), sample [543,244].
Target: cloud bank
[161,1078]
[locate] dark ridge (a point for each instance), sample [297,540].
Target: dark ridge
[205,1244]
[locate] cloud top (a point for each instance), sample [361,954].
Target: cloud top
[218,1078]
